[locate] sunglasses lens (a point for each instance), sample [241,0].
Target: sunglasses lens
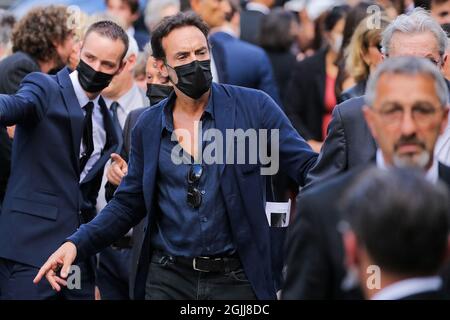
[194,197]
[195,173]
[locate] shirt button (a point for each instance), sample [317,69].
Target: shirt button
[204,219]
[203,191]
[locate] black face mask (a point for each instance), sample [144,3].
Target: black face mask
[157,92]
[91,80]
[194,78]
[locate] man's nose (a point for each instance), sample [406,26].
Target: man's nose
[408,125]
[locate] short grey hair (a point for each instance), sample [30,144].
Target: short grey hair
[148,51]
[407,66]
[418,21]
[153,11]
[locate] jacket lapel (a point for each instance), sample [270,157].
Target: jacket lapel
[218,52]
[224,115]
[75,114]
[444,174]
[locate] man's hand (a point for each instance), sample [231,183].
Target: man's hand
[64,257]
[117,170]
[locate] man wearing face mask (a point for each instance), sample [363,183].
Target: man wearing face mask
[64,136]
[207,235]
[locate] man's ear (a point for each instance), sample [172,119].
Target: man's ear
[350,248]
[162,68]
[122,65]
[445,119]
[135,16]
[444,61]
[194,5]
[131,61]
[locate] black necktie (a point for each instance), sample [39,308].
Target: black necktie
[88,139]
[117,125]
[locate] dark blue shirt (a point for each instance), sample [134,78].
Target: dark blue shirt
[180,229]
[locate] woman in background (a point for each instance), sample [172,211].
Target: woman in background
[363,54]
[310,95]
[278,32]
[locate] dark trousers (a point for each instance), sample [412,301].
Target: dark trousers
[16,283]
[113,274]
[168,280]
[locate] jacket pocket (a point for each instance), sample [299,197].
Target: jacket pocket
[34,208]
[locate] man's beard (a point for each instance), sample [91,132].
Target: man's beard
[418,160]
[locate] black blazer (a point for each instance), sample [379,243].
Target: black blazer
[315,253]
[305,104]
[283,63]
[12,71]
[349,142]
[251,25]
[357,90]
[45,201]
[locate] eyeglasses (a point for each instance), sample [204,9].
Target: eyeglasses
[422,114]
[436,63]
[194,195]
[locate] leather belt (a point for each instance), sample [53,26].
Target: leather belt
[202,264]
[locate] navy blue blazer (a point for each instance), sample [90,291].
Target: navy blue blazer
[243,188]
[45,201]
[242,64]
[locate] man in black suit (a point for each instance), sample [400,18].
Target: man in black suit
[406,110]
[398,266]
[64,136]
[349,142]
[251,19]
[237,62]
[41,42]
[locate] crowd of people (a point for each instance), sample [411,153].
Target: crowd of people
[114,128]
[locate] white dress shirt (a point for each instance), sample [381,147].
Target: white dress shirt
[432,174]
[98,127]
[408,287]
[131,100]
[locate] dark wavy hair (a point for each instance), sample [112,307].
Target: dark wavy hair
[168,24]
[275,32]
[36,33]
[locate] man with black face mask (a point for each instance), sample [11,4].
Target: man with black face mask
[207,234]
[64,136]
